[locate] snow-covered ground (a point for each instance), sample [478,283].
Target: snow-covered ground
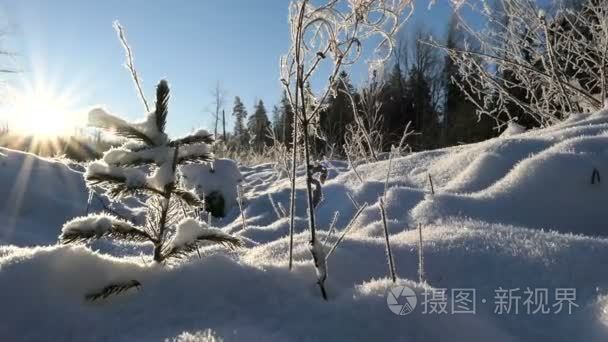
[513,213]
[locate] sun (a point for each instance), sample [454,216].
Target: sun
[42,111]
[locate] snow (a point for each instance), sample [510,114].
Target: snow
[199,336]
[99,224]
[258,298]
[100,117]
[512,129]
[518,211]
[189,230]
[201,132]
[222,175]
[134,178]
[321,266]
[162,176]
[194,150]
[118,155]
[37,196]
[94,225]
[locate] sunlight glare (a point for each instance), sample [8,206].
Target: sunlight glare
[41,111]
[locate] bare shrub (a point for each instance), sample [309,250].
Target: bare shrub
[533,61]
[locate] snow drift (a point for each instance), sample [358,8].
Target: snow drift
[521,210]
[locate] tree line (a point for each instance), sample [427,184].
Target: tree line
[417,89]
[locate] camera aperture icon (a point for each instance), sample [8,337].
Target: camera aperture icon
[401,300]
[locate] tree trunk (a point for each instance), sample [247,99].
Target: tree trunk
[162,222]
[292,205]
[224,124]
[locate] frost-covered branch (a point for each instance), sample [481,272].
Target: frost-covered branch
[130,64]
[85,228]
[191,233]
[332,33]
[534,62]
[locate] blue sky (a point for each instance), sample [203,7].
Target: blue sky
[71,45]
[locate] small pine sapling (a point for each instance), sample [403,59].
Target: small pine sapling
[147,165]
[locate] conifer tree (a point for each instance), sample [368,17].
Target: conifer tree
[339,111]
[460,122]
[286,120]
[419,107]
[148,166]
[277,123]
[258,125]
[240,131]
[393,105]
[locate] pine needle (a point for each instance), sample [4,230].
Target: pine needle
[184,250]
[113,289]
[162,102]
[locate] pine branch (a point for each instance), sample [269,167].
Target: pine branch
[205,157]
[162,102]
[129,233]
[117,186]
[99,118]
[128,157]
[184,250]
[113,289]
[188,196]
[193,139]
[119,229]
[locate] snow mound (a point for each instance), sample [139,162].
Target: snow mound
[539,179]
[221,175]
[552,189]
[252,295]
[38,196]
[512,129]
[519,211]
[189,230]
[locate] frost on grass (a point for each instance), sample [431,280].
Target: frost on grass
[199,336]
[318,250]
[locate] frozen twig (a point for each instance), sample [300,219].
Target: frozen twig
[389,254]
[129,64]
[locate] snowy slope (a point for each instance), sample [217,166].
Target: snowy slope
[516,211]
[37,196]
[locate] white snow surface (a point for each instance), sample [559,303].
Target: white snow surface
[221,175]
[512,212]
[134,177]
[96,223]
[513,129]
[189,230]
